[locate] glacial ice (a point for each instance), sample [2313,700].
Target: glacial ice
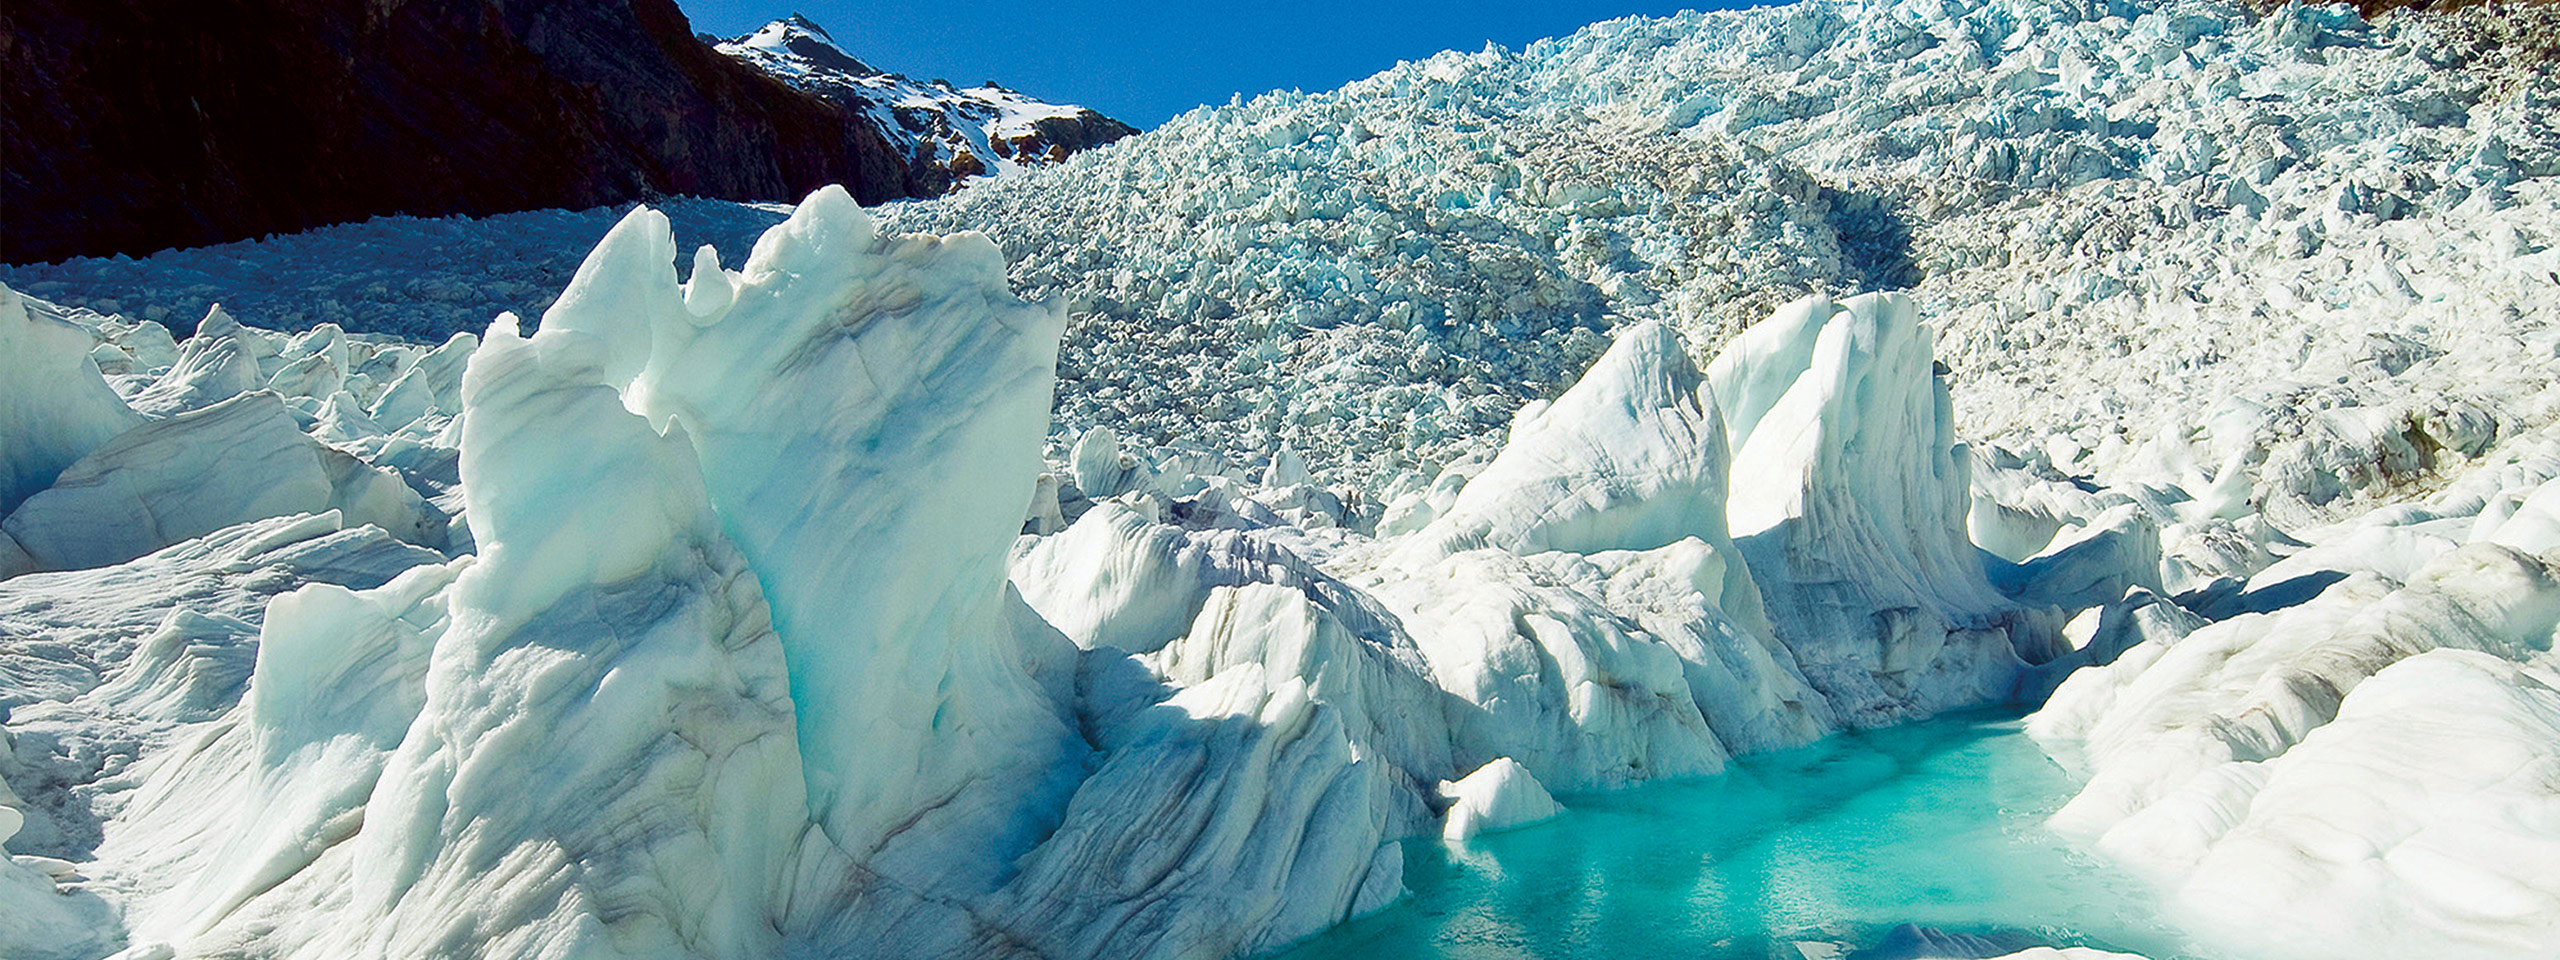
[1250,777]
[2361,764]
[1498,796]
[1853,498]
[430,383]
[1632,458]
[1646,656]
[40,921]
[179,478]
[121,666]
[776,612]
[899,367]
[221,361]
[1267,706]
[2412,824]
[417,762]
[605,718]
[59,408]
[1116,578]
[658,601]
[2197,214]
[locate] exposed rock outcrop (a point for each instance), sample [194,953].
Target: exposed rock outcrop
[948,134]
[135,126]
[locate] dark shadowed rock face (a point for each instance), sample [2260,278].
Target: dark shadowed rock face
[135,125]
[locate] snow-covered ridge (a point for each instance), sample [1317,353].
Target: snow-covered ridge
[983,132]
[795,46]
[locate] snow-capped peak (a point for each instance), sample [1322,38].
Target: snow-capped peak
[983,131]
[800,37]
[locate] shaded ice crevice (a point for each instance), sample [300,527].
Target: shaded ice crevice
[59,408]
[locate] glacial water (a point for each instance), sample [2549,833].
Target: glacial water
[1811,853]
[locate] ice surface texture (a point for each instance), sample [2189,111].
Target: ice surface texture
[2126,220]
[179,478]
[1498,796]
[2197,216]
[2367,774]
[59,409]
[1232,720]
[703,625]
[727,660]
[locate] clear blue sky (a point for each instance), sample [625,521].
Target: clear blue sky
[1147,60]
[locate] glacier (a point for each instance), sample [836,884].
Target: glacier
[2121,196]
[1538,426]
[747,651]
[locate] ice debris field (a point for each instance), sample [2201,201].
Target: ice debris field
[1154,555]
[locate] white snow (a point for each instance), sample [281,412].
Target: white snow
[2411,825]
[772,46]
[991,126]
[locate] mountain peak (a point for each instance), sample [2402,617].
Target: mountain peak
[953,133]
[799,36]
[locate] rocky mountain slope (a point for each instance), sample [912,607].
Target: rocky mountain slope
[134,127]
[981,131]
